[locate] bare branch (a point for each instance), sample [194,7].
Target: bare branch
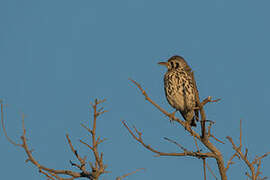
[260,157]
[88,129]
[179,145]
[90,147]
[204,169]
[138,137]
[128,174]
[97,169]
[184,124]
[251,165]
[75,152]
[208,100]
[230,162]
[47,175]
[4,128]
[41,167]
[210,170]
[196,144]
[211,135]
[204,139]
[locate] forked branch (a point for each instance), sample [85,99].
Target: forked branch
[97,167]
[138,137]
[255,172]
[214,152]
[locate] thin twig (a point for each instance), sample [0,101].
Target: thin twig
[211,135]
[204,169]
[75,152]
[179,145]
[128,174]
[210,170]
[230,162]
[4,128]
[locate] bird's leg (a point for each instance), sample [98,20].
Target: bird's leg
[171,116]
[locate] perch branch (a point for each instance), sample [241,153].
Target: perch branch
[138,137]
[214,151]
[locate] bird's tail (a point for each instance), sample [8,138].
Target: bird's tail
[195,118]
[190,117]
[193,122]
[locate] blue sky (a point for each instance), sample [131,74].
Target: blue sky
[58,55]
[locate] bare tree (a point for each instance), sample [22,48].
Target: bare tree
[204,138]
[97,166]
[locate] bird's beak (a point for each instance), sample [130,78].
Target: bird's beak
[163,63]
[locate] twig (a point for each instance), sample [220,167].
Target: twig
[230,162]
[128,174]
[179,145]
[41,167]
[196,144]
[211,135]
[4,128]
[46,174]
[204,169]
[98,168]
[210,170]
[251,165]
[75,152]
[208,100]
[138,137]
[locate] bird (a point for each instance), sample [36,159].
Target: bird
[179,88]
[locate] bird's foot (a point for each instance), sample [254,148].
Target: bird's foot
[171,116]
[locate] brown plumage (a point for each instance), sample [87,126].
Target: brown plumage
[179,89]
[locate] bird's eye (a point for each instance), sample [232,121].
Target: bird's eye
[172,64]
[176,65]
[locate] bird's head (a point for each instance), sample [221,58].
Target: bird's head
[176,62]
